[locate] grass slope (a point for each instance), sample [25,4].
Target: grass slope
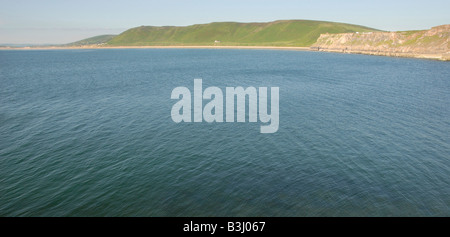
[278,33]
[93,40]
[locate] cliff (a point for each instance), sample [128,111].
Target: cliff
[433,43]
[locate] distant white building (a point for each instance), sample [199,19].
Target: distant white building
[217,41]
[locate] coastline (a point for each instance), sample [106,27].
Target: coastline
[430,56]
[160,47]
[439,57]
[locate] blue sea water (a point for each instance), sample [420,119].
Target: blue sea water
[89,133]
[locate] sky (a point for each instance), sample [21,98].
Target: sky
[65,21]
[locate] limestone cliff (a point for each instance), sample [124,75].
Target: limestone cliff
[433,43]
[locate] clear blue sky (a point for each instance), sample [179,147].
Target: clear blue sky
[63,21]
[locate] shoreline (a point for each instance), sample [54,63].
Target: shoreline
[429,56]
[438,57]
[160,47]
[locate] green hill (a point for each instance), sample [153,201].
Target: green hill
[101,39]
[277,33]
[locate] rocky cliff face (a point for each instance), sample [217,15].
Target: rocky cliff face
[433,43]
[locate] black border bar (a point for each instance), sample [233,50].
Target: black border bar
[276,226]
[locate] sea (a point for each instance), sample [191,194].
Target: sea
[89,132]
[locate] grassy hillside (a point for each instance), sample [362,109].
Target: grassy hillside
[93,40]
[278,33]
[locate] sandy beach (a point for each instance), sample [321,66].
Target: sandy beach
[158,47]
[440,57]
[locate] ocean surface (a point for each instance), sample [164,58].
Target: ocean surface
[89,133]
